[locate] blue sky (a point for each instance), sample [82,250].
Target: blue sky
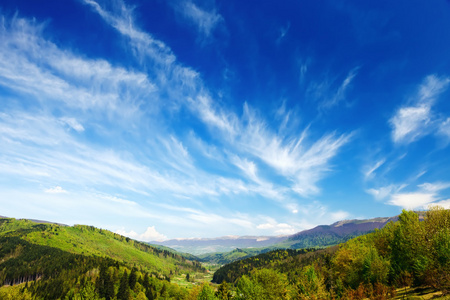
[181,118]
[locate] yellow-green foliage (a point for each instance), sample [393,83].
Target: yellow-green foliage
[88,263]
[15,293]
[88,240]
[413,251]
[12,225]
[359,261]
[83,262]
[262,284]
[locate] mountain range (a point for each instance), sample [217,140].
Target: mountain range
[320,236]
[44,260]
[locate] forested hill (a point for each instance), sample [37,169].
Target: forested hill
[414,251]
[281,259]
[88,240]
[223,249]
[65,260]
[48,261]
[339,232]
[317,237]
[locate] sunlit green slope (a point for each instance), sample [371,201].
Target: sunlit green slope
[88,240]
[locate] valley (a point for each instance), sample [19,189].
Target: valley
[54,261]
[224,250]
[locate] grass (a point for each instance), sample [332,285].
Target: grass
[419,293]
[196,278]
[88,240]
[81,240]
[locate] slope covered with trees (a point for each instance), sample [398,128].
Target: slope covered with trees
[318,237]
[57,262]
[337,233]
[407,252]
[38,262]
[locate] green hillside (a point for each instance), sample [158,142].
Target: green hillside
[188,256]
[410,256]
[51,261]
[406,259]
[272,259]
[88,240]
[313,241]
[223,258]
[318,237]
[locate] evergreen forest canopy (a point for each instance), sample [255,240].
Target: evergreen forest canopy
[47,261]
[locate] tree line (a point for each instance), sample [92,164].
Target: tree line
[409,252]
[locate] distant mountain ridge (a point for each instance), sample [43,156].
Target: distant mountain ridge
[339,232]
[319,236]
[346,227]
[221,244]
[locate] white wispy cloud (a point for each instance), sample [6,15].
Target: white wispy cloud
[431,87]
[283,32]
[443,203]
[423,195]
[92,96]
[55,190]
[434,187]
[143,43]
[62,77]
[39,148]
[370,170]
[225,222]
[277,228]
[309,216]
[303,163]
[75,207]
[78,84]
[312,215]
[39,145]
[444,128]
[328,92]
[248,167]
[205,21]
[73,123]
[415,120]
[227,122]
[303,65]
[412,200]
[339,215]
[385,191]
[410,123]
[151,234]
[340,93]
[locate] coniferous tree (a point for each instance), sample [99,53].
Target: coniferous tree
[132,279]
[149,293]
[124,288]
[163,292]
[223,291]
[206,293]
[105,283]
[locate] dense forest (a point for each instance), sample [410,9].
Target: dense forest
[49,261]
[408,252]
[36,263]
